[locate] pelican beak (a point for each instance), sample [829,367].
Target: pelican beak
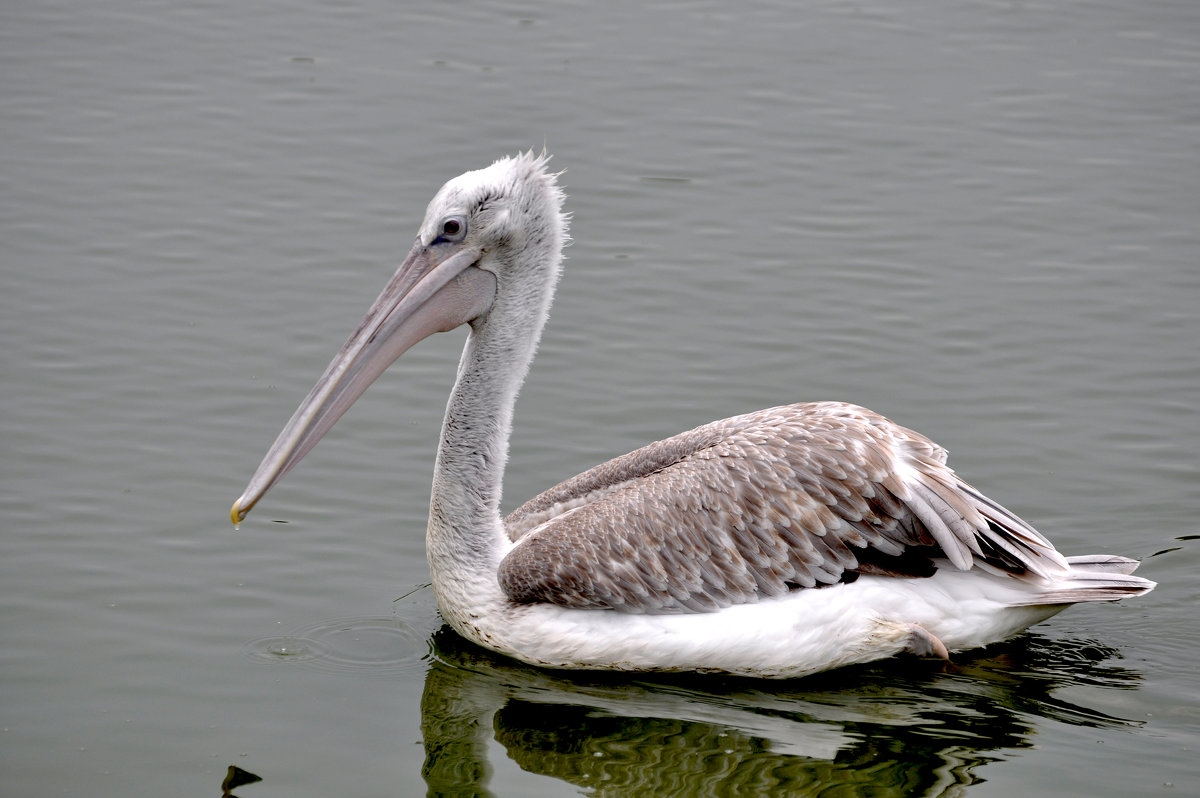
[432,291]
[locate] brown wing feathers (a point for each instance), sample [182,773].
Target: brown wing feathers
[757,505]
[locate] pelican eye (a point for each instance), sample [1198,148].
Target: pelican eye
[452,229]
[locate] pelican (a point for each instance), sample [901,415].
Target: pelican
[774,544]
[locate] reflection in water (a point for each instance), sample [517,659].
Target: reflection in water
[919,729]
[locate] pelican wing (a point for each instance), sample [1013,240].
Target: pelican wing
[787,498]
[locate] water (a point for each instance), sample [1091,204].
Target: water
[979,219]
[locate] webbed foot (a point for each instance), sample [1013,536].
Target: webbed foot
[923,643]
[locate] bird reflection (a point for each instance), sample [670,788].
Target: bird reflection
[921,731]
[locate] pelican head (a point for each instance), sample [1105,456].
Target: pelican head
[490,245]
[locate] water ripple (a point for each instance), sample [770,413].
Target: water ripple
[373,644]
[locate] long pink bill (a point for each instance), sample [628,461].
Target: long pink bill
[436,289]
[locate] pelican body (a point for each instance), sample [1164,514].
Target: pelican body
[773,544]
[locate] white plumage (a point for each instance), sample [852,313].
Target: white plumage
[776,544]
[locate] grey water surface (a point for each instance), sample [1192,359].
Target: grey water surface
[981,219]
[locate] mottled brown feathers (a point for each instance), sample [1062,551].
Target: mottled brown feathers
[792,497]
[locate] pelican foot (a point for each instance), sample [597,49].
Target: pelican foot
[923,643]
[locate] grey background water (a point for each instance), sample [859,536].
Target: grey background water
[978,218]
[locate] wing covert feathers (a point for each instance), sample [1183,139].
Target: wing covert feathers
[799,496]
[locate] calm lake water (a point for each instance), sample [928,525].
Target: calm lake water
[982,220]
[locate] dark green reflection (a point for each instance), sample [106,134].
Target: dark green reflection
[903,728]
